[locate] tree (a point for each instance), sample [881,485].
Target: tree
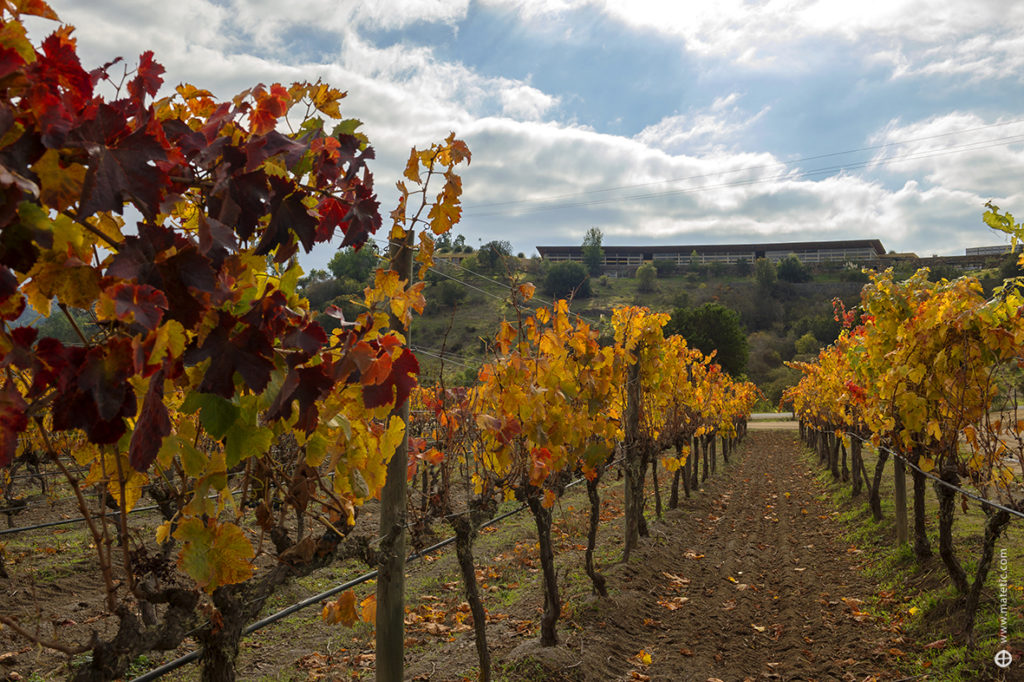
[791,269]
[593,254]
[491,256]
[764,272]
[348,263]
[743,267]
[646,276]
[713,327]
[566,280]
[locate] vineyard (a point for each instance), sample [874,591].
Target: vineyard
[205,455]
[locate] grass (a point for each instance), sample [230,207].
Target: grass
[919,598]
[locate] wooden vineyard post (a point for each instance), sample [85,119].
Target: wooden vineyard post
[900,470]
[390,634]
[633,464]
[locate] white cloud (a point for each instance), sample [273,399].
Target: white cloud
[716,127]
[407,95]
[980,38]
[524,102]
[957,151]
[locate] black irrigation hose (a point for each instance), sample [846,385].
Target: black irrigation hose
[170,666]
[80,519]
[156,673]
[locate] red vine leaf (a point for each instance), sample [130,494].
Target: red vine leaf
[13,421]
[152,426]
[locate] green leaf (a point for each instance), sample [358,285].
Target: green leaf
[217,414]
[242,441]
[192,460]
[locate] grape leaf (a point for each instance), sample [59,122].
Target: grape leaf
[362,219]
[152,426]
[247,352]
[288,214]
[397,386]
[121,167]
[13,420]
[216,414]
[215,554]
[307,385]
[147,79]
[59,186]
[104,375]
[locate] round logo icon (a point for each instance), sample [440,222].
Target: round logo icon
[1003,658]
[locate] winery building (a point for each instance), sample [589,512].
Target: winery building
[839,251]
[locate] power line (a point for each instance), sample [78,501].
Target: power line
[441,357]
[592,323]
[746,168]
[503,299]
[519,210]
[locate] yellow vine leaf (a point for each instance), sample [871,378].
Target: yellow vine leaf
[215,554]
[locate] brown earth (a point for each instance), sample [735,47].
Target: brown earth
[747,580]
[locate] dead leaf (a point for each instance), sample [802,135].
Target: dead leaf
[436,628]
[937,644]
[675,579]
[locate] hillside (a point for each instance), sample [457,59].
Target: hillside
[466,303]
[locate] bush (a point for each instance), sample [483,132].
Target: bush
[791,269]
[646,276]
[807,344]
[450,293]
[664,267]
[565,280]
[764,272]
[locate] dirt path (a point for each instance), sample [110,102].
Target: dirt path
[747,581]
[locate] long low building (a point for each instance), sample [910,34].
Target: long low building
[847,250]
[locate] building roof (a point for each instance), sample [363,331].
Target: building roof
[726,248]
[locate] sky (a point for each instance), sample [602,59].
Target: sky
[656,122]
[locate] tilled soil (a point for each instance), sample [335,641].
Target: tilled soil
[747,581]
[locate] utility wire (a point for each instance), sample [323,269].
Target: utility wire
[592,323]
[747,168]
[967,493]
[433,269]
[519,210]
[442,358]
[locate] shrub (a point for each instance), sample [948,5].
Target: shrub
[566,280]
[646,276]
